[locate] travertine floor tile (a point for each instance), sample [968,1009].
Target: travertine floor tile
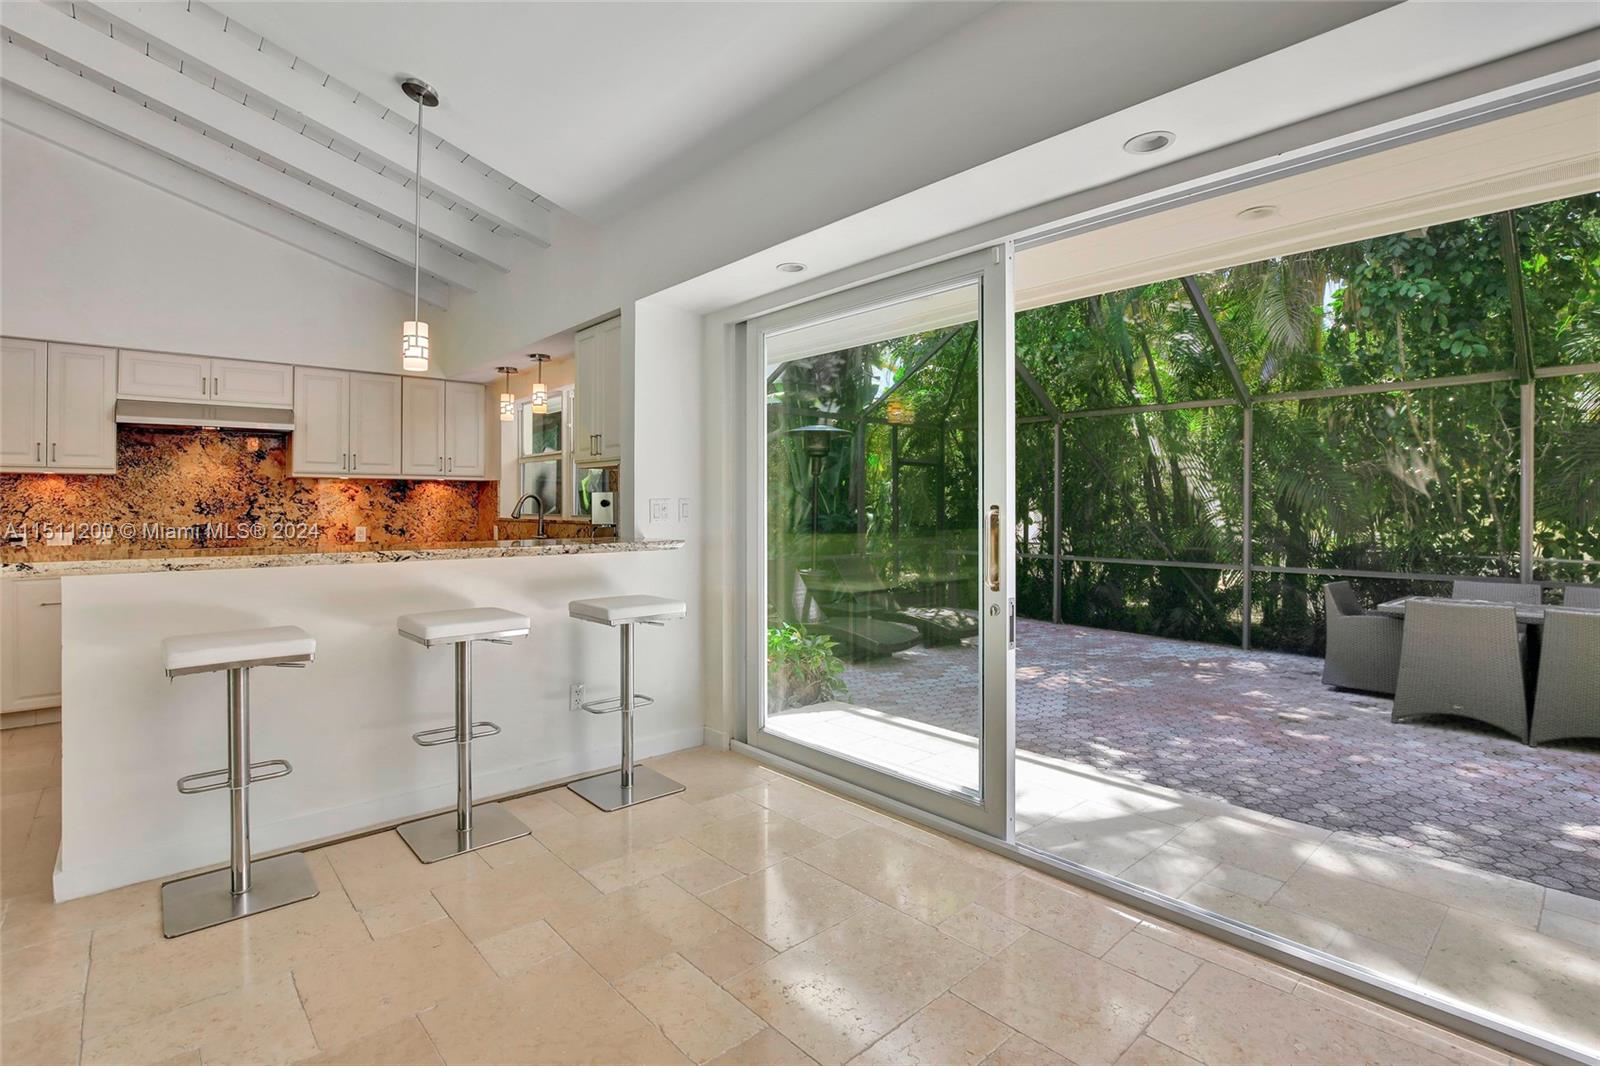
[513,851]
[929,885]
[787,903]
[380,869]
[408,912]
[642,864]
[1160,964]
[947,1032]
[1397,918]
[767,1048]
[727,953]
[1020,1050]
[838,993]
[32,919]
[795,800]
[755,841]
[502,899]
[1171,870]
[1305,928]
[980,927]
[1247,844]
[597,837]
[1459,887]
[261,1023]
[1221,1017]
[561,1012]
[704,874]
[519,950]
[1451,1045]
[633,926]
[1087,922]
[1073,1003]
[691,1009]
[350,993]
[48,1038]
[1147,1052]
[43,976]
[405,1043]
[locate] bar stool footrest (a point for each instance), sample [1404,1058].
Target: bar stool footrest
[193,903]
[187,784]
[613,704]
[430,738]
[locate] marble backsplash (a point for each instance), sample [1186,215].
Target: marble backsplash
[188,489]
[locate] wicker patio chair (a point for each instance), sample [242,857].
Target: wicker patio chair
[1463,659]
[1495,592]
[1581,596]
[1363,649]
[1567,703]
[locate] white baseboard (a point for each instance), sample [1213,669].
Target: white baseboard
[715,739]
[169,858]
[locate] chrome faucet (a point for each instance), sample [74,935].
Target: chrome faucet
[516,512]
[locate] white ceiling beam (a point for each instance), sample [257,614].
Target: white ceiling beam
[85,44]
[195,38]
[70,92]
[49,123]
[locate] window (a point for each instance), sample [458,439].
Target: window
[544,454]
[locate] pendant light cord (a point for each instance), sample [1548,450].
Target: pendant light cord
[416,181]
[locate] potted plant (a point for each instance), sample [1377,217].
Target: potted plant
[801,669]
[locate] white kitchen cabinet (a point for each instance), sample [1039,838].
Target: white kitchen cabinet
[244,381]
[81,410]
[30,675]
[60,408]
[422,429]
[321,442]
[24,370]
[375,433]
[465,439]
[597,437]
[199,379]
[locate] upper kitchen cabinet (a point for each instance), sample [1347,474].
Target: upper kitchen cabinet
[375,435]
[597,433]
[443,429]
[345,424]
[465,440]
[198,379]
[60,408]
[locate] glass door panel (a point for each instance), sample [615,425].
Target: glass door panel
[885,597]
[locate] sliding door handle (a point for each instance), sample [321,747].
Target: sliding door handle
[994,548]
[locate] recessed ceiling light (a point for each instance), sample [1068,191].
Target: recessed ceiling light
[791,268]
[1257,213]
[1146,143]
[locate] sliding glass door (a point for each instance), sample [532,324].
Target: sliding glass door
[880,601]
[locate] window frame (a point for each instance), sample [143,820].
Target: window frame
[563,455]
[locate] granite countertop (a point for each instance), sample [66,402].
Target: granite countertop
[78,560]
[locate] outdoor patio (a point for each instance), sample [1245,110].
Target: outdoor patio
[1434,851]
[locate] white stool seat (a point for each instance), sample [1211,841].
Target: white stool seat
[199,652]
[615,610]
[470,623]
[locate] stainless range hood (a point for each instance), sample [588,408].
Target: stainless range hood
[204,416]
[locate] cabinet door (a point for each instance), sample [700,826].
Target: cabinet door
[375,424]
[609,416]
[465,403]
[258,384]
[23,373]
[81,409]
[585,397]
[321,443]
[422,440]
[32,668]
[163,376]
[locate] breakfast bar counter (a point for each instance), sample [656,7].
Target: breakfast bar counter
[346,721]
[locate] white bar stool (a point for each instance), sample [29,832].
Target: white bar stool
[628,784]
[245,887]
[467,828]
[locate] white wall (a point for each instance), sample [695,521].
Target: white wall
[88,254]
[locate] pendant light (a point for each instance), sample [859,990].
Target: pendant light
[508,402]
[540,397]
[414,334]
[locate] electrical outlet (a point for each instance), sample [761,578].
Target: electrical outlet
[361,534]
[575,696]
[683,509]
[659,509]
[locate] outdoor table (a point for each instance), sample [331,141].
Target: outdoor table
[1528,614]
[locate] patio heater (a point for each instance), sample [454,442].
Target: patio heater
[817,440]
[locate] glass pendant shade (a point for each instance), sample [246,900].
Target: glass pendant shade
[414,347]
[540,399]
[508,407]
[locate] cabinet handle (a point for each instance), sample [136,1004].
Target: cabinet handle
[441,464]
[38,451]
[344,460]
[352,460]
[50,603]
[203,387]
[52,451]
[214,389]
[449,463]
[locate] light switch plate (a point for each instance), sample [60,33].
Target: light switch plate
[659,508]
[683,509]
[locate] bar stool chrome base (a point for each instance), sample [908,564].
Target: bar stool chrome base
[435,838]
[204,900]
[607,792]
